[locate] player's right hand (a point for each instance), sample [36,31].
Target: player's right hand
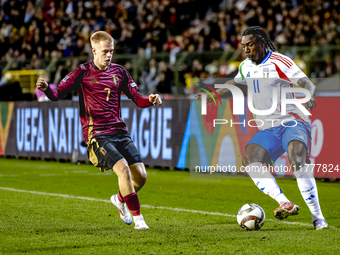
[42,84]
[155,99]
[310,105]
[199,97]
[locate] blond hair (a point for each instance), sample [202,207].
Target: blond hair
[100,36]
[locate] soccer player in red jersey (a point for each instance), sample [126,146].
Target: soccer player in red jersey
[99,84]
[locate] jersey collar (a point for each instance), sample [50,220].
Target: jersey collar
[266,58]
[95,67]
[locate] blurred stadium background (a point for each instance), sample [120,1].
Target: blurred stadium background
[165,45]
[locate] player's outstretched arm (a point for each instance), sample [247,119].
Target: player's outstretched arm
[130,89]
[307,84]
[155,99]
[221,91]
[70,81]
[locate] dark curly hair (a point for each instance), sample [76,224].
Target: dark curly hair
[260,34]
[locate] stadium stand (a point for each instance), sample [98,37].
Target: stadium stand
[163,43]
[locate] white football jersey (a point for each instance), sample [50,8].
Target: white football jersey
[275,71]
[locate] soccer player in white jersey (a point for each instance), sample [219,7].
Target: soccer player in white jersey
[262,70]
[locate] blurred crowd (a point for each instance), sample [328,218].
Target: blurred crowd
[32,32]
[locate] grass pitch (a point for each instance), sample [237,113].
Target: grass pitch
[61,208]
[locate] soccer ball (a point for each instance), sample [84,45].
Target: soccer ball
[251,217]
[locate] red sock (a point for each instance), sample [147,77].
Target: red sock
[120,197]
[132,203]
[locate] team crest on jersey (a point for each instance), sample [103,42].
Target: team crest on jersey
[265,72]
[65,78]
[115,79]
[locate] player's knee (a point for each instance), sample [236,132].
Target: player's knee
[140,184]
[139,171]
[247,159]
[126,174]
[140,181]
[296,163]
[123,172]
[143,178]
[244,161]
[296,155]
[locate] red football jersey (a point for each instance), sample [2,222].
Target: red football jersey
[99,96]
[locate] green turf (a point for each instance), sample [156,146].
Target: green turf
[43,224]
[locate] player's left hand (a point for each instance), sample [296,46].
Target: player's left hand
[155,99]
[310,104]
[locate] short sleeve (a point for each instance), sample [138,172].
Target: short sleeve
[294,73]
[239,78]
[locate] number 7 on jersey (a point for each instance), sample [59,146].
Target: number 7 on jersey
[108,93]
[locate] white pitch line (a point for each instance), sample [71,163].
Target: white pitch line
[150,206]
